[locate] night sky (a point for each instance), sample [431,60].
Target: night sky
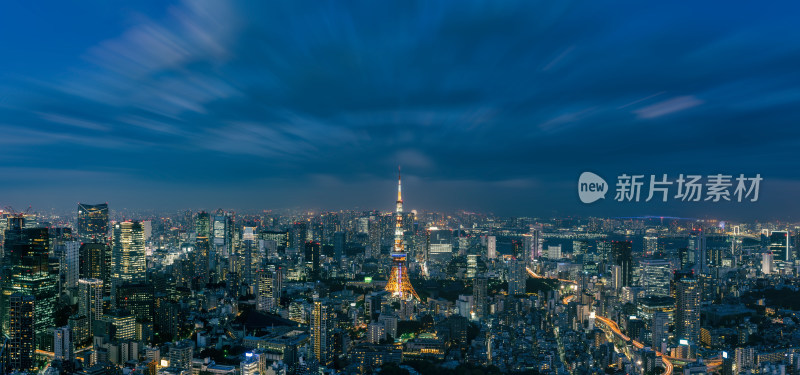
[493,106]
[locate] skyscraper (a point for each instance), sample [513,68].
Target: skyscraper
[779,245]
[697,251]
[28,257]
[479,302]
[128,254]
[338,245]
[655,276]
[621,251]
[321,340]
[517,277]
[268,288]
[90,300]
[399,285]
[312,258]
[491,247]
[93,222]
[530,246]
[138,299]
[21,332]
[687,307]
[68,256]
[95,263]
[659,329]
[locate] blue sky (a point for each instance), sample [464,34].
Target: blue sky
[488,105]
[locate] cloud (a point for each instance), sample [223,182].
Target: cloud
[666,107]
[490,95]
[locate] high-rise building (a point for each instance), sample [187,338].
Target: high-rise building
[268,288]
[95,262]
[491,247]
[63,346]
[374,239]
[717,247]
[69,266]
[122,324]
[530,246]
[93,222]
[779,245]
[201,259]
[604,251]
[338,245]
[399,284]
[312,258]
[621,251]
[767,263]
[138,299]
[202,225]
[90,300]
[650,244]
[21,334]
[80,329]
[659,330]
[439,247]
[687,307]
[683,258]
[517,277]
[128,254]
[654,276]
[221,234]
[479,291]
[31,271]
[697,251]
[321,327]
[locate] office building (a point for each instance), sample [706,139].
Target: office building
[654,276]
[128,254]
[21,333]
[687,308]
[779,245]
[93,222]
[517,277]
[621,252]
[479,299]
[321,327]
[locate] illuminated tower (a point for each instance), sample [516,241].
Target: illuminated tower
[398,284]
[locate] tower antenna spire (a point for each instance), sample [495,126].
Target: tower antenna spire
[399,186]
[399,284]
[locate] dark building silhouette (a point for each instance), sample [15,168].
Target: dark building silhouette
[21,332]
[312,257]
[621,252]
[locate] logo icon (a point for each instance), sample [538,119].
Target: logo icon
[591,187]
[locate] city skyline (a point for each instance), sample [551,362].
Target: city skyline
[489,107]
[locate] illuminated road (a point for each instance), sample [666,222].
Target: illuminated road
[536,276]
[610,324]
[615,329]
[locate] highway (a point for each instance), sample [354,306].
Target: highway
[611,325]
[615,329]
[712,364]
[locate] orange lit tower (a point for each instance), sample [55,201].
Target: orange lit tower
[398,284]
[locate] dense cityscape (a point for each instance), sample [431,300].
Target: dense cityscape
[414,187]
[351,292]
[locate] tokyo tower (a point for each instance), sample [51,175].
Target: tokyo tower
[398,284]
